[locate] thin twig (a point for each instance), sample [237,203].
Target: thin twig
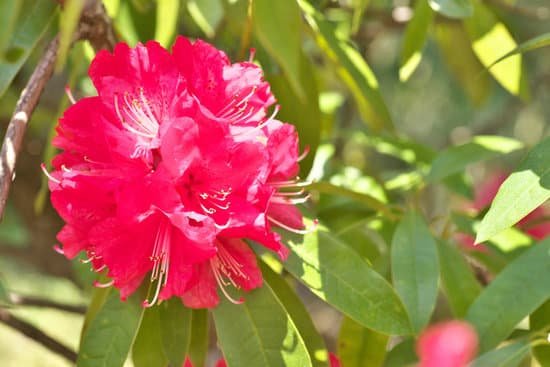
[18,123]
[37,335]
[19,300]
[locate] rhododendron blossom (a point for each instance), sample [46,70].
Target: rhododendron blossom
[168,170]
[448,344]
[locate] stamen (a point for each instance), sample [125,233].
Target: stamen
[222,284]
[161,261]
[58,249]
[304,154]
[43,167]
[103,285]
[252,54]
[291,183]
[290,193]
[287,201]
[294,230]
[69,94]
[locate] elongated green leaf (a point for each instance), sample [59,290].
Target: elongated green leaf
[337,275]
[282,42]
[175,322]
[359,346]
[414,39]
[508,356]
[415,268]
[352,69]
[259,332]
[111,333]
[453,8]
[305,116]
[459,57]
[68,21]
[99,296]
[535,43]
[207,14]
[523,191]
[147,350]
[517,291]
[30,26]
[198,347]
[540,321]
[482,147]
[9,11]
[167,21]
[490,40]
[402,355]
[359,8]
[460,284]
[300,316]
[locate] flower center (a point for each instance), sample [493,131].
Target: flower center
[136,115]
[224,267]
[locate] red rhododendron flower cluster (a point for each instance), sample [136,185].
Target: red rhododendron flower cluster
[535,224]
[170,167]
[448,344]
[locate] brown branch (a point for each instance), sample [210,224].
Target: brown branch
[18,123]
[37,335]
[96,26]
[20,300]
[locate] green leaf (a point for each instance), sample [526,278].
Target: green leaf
[352,69]
[482,147]
[175,326]
[198,346]
[540,321]
[298,313]
[68,21]
[111,333]
[359,8]
[4,294]
[99,296]
[305,116]
[415,268]
[207,15]
[453,8]
[277,25]
[259,332]
[523,191]
[402,355]
[517,291]
[359,346]
[460,285]
[147,350]
[167,21]
[490,40]
[535,43]
[337,275]
[508,356]
[9,11]
[30,27]
[456,49]
[414,39]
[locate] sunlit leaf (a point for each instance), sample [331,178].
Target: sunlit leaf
[359,346]
[300,316]
[68,22]
[509,356]
[207,14]
[453,8]
[414,39]
[518,290]
[167,21]
[198,346]
[337,275]
[459,283]
[352,69]
[277,25]
[111,333]
[415,268]
[459,57]
[175,323]
[30,27]
[490,40]
[482,147]
[147,350]
[535,43]
[523,191]
[259,332]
